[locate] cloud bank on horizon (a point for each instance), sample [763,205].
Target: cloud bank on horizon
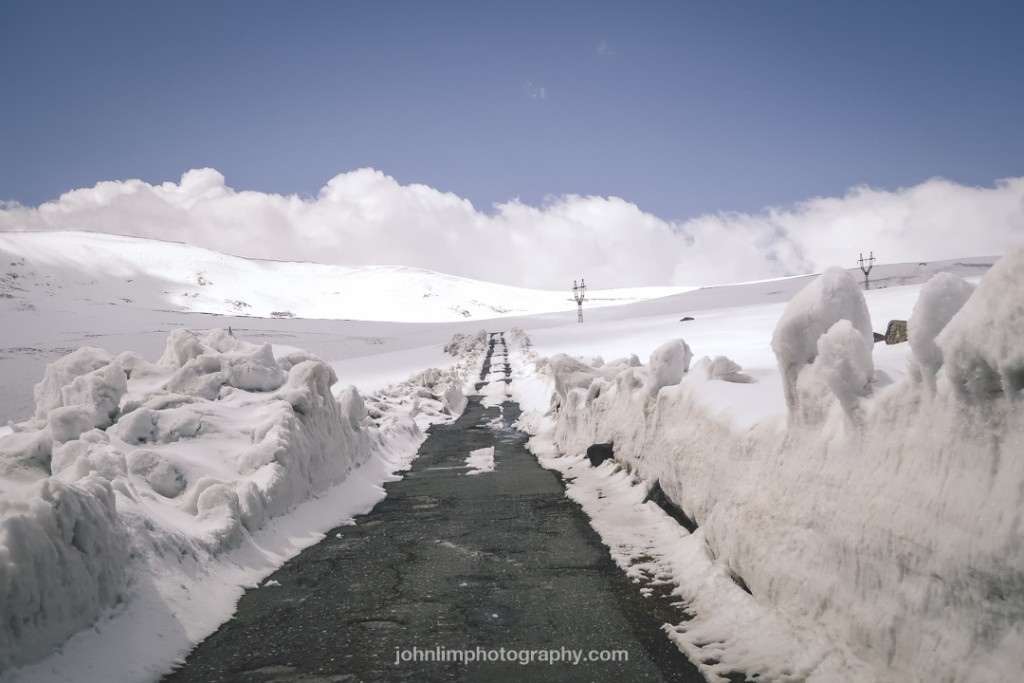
[366,217]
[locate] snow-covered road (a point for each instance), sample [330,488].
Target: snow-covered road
[868,496]
[448,562]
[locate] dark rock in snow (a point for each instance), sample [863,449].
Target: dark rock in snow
[658,497]
[600,452]
[896,332]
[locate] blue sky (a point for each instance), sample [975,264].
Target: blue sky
[683,108]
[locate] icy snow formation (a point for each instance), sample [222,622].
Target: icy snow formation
[880,529]
[844,357]
[831,297]
[727,370]
[941,298]
[129,467]
[667,365]
[983,345]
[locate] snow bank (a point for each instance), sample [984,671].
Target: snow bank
[63,558]
[85,379]
[878,529]
[464,344]
[130,468]
[983,345]
[446,386]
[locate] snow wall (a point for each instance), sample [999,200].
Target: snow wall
[129,466]
[890,516]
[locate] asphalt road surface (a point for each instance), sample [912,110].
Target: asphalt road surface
[495,576]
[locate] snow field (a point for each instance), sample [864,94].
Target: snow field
[168,275]
[136,479]
[875,518]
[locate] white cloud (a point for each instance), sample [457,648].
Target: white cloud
[365,217]
[604,49]
[535,92]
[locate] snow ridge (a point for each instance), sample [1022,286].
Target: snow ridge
[135,478]
[877,527]
[135,272]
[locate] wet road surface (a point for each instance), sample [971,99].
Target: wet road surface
[497,567]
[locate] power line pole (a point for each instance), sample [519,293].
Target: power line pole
[865,265]
[579,292]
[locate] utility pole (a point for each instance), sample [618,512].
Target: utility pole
[579,292]
[865,265]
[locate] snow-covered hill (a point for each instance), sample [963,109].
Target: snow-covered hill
[99,269]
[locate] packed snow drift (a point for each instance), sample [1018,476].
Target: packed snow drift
[876,523]
[135,478]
